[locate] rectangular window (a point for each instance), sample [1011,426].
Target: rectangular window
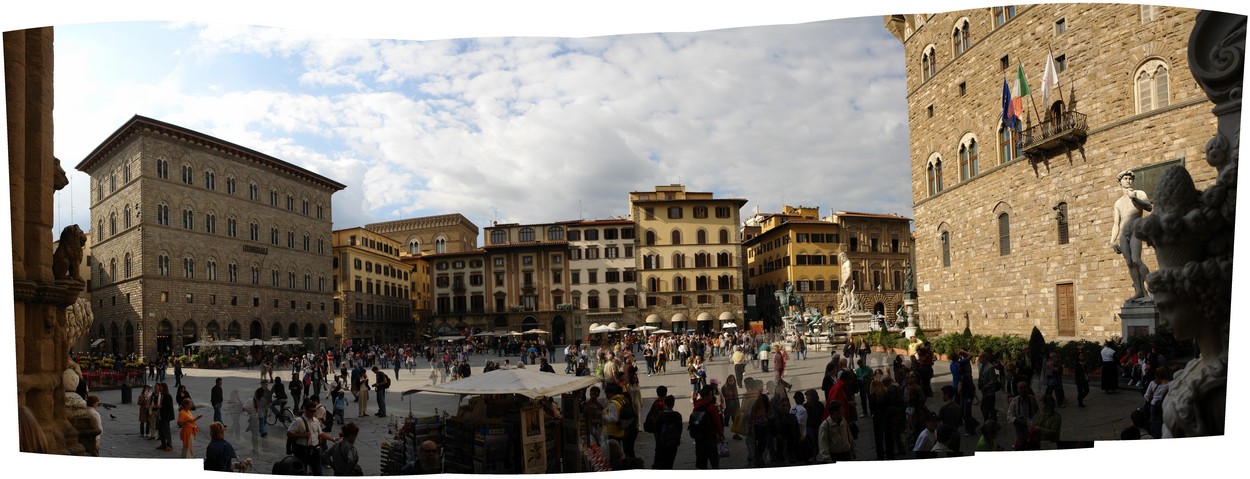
[1004,62]
[1061,63]
[612,276]
[628,276]
[1061,25]
[700,212]
[722,212]
[593,276]
[674,212]
[575,277]
[164,296]
[963,88]
[930,111]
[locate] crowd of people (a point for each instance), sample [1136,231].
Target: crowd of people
[775,425]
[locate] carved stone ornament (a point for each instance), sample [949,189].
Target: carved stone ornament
[1192,233]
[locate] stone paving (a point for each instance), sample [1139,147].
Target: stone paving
[1103,419]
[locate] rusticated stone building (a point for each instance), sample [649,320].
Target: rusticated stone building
[195,237]
[1013,225]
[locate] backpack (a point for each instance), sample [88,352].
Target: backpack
[648,425]
[700,424]
[669,425]
[628,416]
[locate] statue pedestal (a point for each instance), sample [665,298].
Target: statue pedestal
[1138,318]
[909,306]
[861,322]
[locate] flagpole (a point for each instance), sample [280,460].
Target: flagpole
[1051,55]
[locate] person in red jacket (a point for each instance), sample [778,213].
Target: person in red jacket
[705,444]
[840,392]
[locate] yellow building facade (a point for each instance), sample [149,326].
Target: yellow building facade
[794,246]
[688,258]
[372,297]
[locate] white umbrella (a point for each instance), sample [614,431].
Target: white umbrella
[233,342]
[536,331]
[201,343]
[646,328]
[661,331]
[484,335]
[729,326]
[292,342]
[526,382]
[252,342]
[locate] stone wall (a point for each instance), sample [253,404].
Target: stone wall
[1103,45]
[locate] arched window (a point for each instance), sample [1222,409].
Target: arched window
[679,283]
[676,237]
[653,285]
[1002,14]
[928,63]
[679,261]
[701,260]
[968,160]
[414,247]
[724,236]
[1061,222]
[701,237]
[960,38]
[934,175]
[1008,143]
[724,282]
[113,269]
[1004,234]
[650,238]
[701,283]
[112,224]
[126,265]
[1151,82]
[555,233]
[498,237]
[724,260]
[526,234]
[440,245]
[126,217]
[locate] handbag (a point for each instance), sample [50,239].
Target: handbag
[723,449]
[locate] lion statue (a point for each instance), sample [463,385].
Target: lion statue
[68,254]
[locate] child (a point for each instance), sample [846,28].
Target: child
[340,405]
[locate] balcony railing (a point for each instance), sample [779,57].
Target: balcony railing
[1068,131]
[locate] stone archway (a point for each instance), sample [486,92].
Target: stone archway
[254,331]
[557,330]
[878,308]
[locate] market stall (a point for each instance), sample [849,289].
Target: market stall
[514,421]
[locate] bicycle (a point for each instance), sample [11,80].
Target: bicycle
[285,415]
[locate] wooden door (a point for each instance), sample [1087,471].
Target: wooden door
[1065,309]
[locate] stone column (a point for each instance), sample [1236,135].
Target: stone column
[39,298]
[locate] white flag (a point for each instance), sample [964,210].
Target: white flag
[1050,79]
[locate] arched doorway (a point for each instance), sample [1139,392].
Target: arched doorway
[213,331]
[557,330]
[130,337]
[234,331]
[114,338]
[254,331]
[321,331]
[292,331]
[878,308]
[275,331]
[164,337]
[188,333]
[308,330]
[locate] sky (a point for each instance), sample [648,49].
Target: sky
[545,110]
[512,129]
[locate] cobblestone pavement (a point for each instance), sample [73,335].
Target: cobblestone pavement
[1105,416]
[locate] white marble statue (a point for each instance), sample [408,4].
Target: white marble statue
[1125,214]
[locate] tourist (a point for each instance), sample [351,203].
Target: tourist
[1080,375]
[181,394]
[706,439]
[1156,391]
[164,407]
[731,404]
[1109,382]
[279,398]
[296,387]
[835,439]
[255,409]
[382,382]
[863,375]
[1052,375]
[1020,413]
[798,447]
[344,459]
[967,394]
[144,402]
[189,428]
[361,386]
[739,360]
[989,437]
[877,401]
[815,414]
[988,383]
[220,455]
[668,432]
[927,438]
[1138,421]
[620,418]
[216,398]
[307,433]
[950,413]
[592,410]
[1049,422]
[946,442]
[93,408]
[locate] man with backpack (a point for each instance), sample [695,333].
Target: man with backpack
[668,426]
[706,429]
[381,382]
[620,418]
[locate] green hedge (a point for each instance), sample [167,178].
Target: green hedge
[1010,346]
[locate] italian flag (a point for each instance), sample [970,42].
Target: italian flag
[1018,91]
